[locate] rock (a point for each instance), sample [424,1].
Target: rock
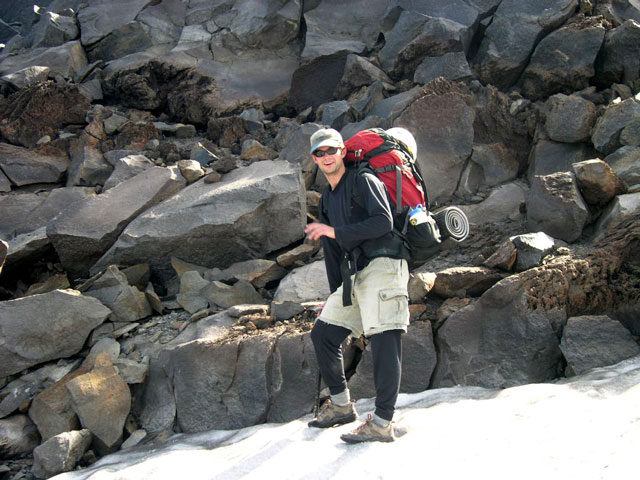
[190,170]
[449,307]
[254,151]
[4,247]
[625,163]
[617,61]
[96,22]
[28,76]
[549,157]
[304,284]
[497,161]
[40,110]
[102,401]
[611,125]
[463,281]
[358,72]
[137,275]
[503,202]
[622,210]
[225,296]
[18,436]
[113,124]
[592,341]
[569,118]
[60,453]
[336,114]
[597,181]
[29,338]
[131,371]
[503,258]
[555,206]
[563,60]
[56,282]
[420,284]
[512,35]
[81,235]
[125,40]
[285,310]
[53,30]
[127,303]
[125,168]
[452,66]
[466,340]
[134,439]
[298,256]
[24,167]
[435,119]
[5,183]
[355,29]
[296,151]
[315,82]
[235,215]
[531,249]
[259,272]
[190,297]
[392,107]
[418,363]
[67,60]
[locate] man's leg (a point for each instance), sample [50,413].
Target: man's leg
[327,341]
[386,350]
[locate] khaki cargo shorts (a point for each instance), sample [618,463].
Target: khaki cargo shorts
[380,299]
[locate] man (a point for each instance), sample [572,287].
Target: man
[368,275]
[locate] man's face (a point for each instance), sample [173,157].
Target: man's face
[331,162]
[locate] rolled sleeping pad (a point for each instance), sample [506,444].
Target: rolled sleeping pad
[453,223]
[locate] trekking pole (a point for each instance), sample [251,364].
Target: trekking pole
[316,405]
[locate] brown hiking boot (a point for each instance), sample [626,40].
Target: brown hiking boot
[331,415]
[370,432]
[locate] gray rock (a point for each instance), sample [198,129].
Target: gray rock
[598,182]
[531,249]
[609,127]
[363,101]
[620,210]
[5,183]
[392,107]
[28,247]
[555,206]
[298,256]
[497,161]
[355,29]
[296,150]
[18,436]
[452,66]
[285,310]
[134,439]
[190,298]
[102,401]
[24,167]
[358,72]
[82,234]
[626,163]
[88,166]
[315,82]
[125,168]
[131,371]
[254,151]
[529,351]
[562,61]
[503,203]
[465,281]
[60,453]
[69,319]
[235,215]
[304,284]
[592,341]
[190,170]
[569,118]
[549,157]
[259,272]
[53,30]
[418,363]
[97,20]
[435,119]
[618,61]
[28,76]
[225,296]
[67,60]
[336,114]
[124,40]
[512,35]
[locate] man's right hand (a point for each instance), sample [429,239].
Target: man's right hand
[316,230]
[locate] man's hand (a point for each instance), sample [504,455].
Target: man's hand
[316,230]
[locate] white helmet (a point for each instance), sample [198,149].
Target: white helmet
[404,136]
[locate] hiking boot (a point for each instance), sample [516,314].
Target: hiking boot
[331,415]
[370,432]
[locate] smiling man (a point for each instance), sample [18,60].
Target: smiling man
[368,275]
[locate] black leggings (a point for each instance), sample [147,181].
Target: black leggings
[386,350]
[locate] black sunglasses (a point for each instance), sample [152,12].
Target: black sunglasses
[328,151]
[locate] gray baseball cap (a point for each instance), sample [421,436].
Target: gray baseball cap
[326,137]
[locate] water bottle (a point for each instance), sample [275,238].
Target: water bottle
[418,215]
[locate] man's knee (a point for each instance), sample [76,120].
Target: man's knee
[324,333]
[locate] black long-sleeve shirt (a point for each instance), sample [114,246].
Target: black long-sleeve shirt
[355,223]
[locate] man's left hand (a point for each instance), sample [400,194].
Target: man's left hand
[316,230]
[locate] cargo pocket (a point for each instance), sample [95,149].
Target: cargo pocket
[394,307]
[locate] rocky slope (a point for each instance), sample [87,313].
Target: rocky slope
[155,182]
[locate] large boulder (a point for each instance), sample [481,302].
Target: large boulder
[503,203]
[97,19]
[45,327]
[217,224]
[26,167]
[512,35]
[625,162]
[592,341]
[83,234]
[442,123]
[569,119]
[619,58]
[67,60]
[619,214]
[610,128]
[549,157]
[555,206]
[304,284]
[563,60]
[40,110]
[60,453]
[467,341]
[18,436]
[598,182]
